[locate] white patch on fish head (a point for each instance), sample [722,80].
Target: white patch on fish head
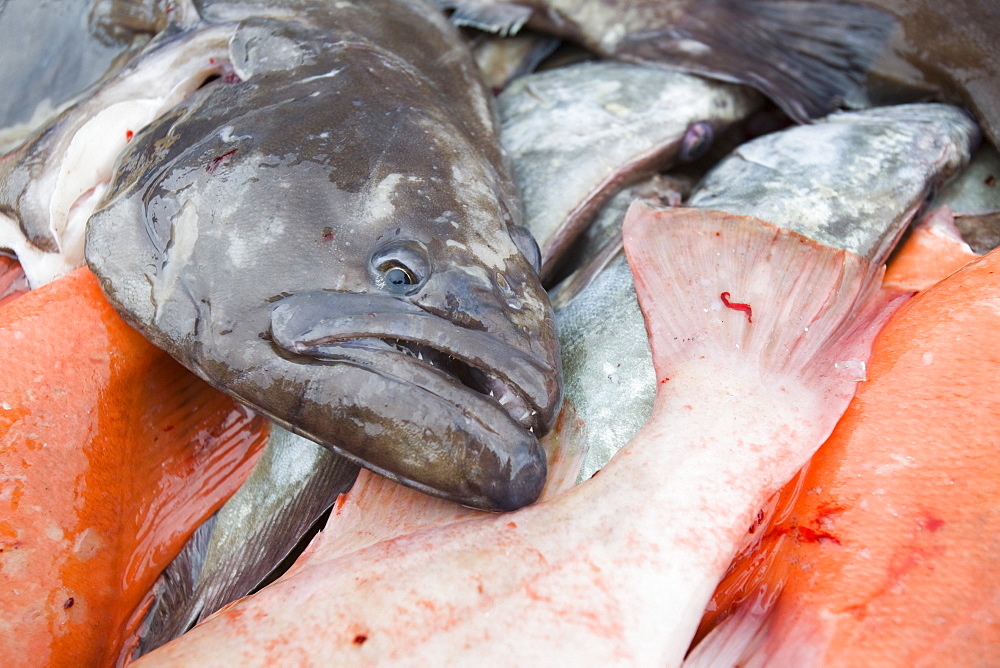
[380,200]
[226,135]
[692,46]
[184,230]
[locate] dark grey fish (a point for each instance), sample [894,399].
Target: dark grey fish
[332,237]
[50,184]
[807,57]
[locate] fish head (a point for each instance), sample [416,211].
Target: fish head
[353,270]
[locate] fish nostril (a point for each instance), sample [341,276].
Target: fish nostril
[509,295]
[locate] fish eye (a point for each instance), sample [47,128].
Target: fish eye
[400,268]
[526,243]
[697,138]
[397,275]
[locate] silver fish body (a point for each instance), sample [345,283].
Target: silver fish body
[853,181]
[578,134]
[974,199]
[332,237]
[860,190]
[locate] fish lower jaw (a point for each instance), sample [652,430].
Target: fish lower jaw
[478,380]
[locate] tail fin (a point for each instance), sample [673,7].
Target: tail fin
[809,57]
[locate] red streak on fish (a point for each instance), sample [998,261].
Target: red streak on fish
[128,135]
[808,535]
[736,306]
[218,162]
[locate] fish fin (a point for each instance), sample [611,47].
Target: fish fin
[566,448]
[762,306]
[293,484]
[736,641]
[502,18]
[808,57]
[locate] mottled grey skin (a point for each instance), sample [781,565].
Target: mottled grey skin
[860,192]
[358,148]
[579,134]
[852,182]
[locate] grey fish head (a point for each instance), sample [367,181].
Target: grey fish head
[349,265]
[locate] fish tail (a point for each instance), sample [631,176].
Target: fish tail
[809,57]
[742,289]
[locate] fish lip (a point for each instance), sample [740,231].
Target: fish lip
[360,328]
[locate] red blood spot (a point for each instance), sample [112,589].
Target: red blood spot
[360,639]
[930,523]
[231,78]
[128,135]
[825,510]
[68,604]
[218,162]
[664,380]
[737,306]
[169,427]
[327,234]
[807,535]
[211,61]
[512,525]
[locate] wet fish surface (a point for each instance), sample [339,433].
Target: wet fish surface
[860,192]
[348,263]
[853,181]
[807,57]
[578,134]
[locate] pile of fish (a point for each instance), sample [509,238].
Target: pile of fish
[534,330]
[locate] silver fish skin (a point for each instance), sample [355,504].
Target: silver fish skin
[807,57]
[579,134]
[332,237]
[607,364]
[854,180]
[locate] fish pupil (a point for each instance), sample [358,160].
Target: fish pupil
[397,276]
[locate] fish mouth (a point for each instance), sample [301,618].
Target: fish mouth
[366,330]
[451,411]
